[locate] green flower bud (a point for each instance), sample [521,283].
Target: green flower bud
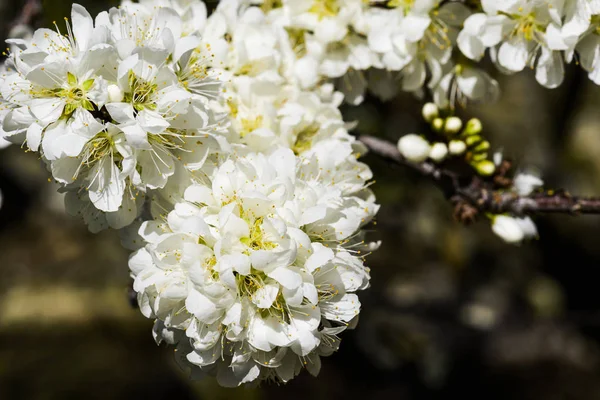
[473,140]
[485,167]
[479,156]
[437,124]
[473,127]
[482,147]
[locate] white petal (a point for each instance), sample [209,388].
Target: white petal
[202,307]
[237,262]
[514,54]
[82,26]
[550,71]
[286,277]
[265,296]
[47,110]
[106,190]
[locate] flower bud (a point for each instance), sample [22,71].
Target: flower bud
[474,127]
[508,229]
[437,124]
[485,167]
[498,157]
[453,125]
[479,156]
[430,112]
[528,227]
[115,94]
[525,184]
[481,147]
[457,147]
[414,148]
[439,152]
[473,140]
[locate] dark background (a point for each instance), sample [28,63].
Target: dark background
[452,311]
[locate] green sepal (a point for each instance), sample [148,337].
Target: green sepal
[87,85]
[71,79]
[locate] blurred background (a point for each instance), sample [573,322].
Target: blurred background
[452,311]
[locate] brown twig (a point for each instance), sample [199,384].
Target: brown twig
[473,195]
[30,10]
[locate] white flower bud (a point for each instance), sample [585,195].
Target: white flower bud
[508,229]
[438,152]
[414,148]
[485,168]
[457,147]
[514,230]
[430,112]
[498,157]
[115,94]
[453,125]
[525,184]
[528,227]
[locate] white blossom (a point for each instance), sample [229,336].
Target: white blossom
[416,38]
[257,268]
[520,33]
[512,229]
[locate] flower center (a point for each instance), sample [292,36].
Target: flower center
[325,8]
[194,76]
[527,27]
[405,5]
[249,285]
[297,41]
[257,240]
[305,138]
[74,94]
[250,125]
[595,22]
[141,93]
[98,149]
[269,5]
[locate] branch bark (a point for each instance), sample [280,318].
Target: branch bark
[30,10]
[472,195]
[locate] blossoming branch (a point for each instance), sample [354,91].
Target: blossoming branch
[216,145]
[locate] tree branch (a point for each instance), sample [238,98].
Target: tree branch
[30,10]
[472,195]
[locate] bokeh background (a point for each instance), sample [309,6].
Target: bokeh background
[452,311]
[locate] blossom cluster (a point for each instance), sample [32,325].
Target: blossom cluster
[234,179]
[540,34]
[111,105]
